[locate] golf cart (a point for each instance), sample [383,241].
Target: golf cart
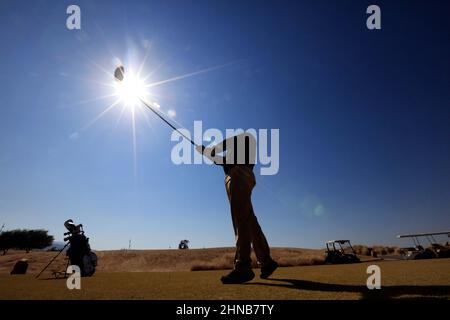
[435,249]
[340,251]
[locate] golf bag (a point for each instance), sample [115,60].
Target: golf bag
[79,252]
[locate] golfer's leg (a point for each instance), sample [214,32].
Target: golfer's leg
[259,241]
[243,236]
[228,188]
[240,211]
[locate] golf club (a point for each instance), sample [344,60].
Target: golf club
[119,75]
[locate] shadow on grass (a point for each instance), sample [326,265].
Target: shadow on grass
[386,292]
[52,278]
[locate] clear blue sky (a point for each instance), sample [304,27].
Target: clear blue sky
[364,119]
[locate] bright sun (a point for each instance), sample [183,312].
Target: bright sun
[130,90]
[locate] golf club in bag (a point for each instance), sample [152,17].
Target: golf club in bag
[79,251]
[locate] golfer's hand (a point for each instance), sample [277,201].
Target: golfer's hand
[207,152]
[210,153]
[200,149]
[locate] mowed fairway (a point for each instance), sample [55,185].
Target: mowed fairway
[400,279]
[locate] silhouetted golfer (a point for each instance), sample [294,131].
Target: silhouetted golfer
[238,163]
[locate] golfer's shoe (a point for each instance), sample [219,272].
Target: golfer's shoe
[238,276]
[268,269]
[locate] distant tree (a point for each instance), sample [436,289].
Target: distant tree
[5,241]
[24,240]
[183,244]
[38,239]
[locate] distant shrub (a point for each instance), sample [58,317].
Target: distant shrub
[375,251]
[220,263]
[362,250]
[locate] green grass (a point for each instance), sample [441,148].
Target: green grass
[400,279]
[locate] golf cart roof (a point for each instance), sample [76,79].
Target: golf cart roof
[338,241]
[423,234]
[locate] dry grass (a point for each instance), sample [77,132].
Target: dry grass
[286,257]
[222,262]
[160,260]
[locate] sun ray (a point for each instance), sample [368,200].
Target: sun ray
[146,117]
[153,72]
[99,67]
[81,102]
[141,66]
[120,115]
[100,115]
[187,75]
[134,144]
[105,84]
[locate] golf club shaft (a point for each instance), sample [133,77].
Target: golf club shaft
[52,260]
[168,123]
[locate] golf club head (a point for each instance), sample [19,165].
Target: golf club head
[69,225]
[119,73]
